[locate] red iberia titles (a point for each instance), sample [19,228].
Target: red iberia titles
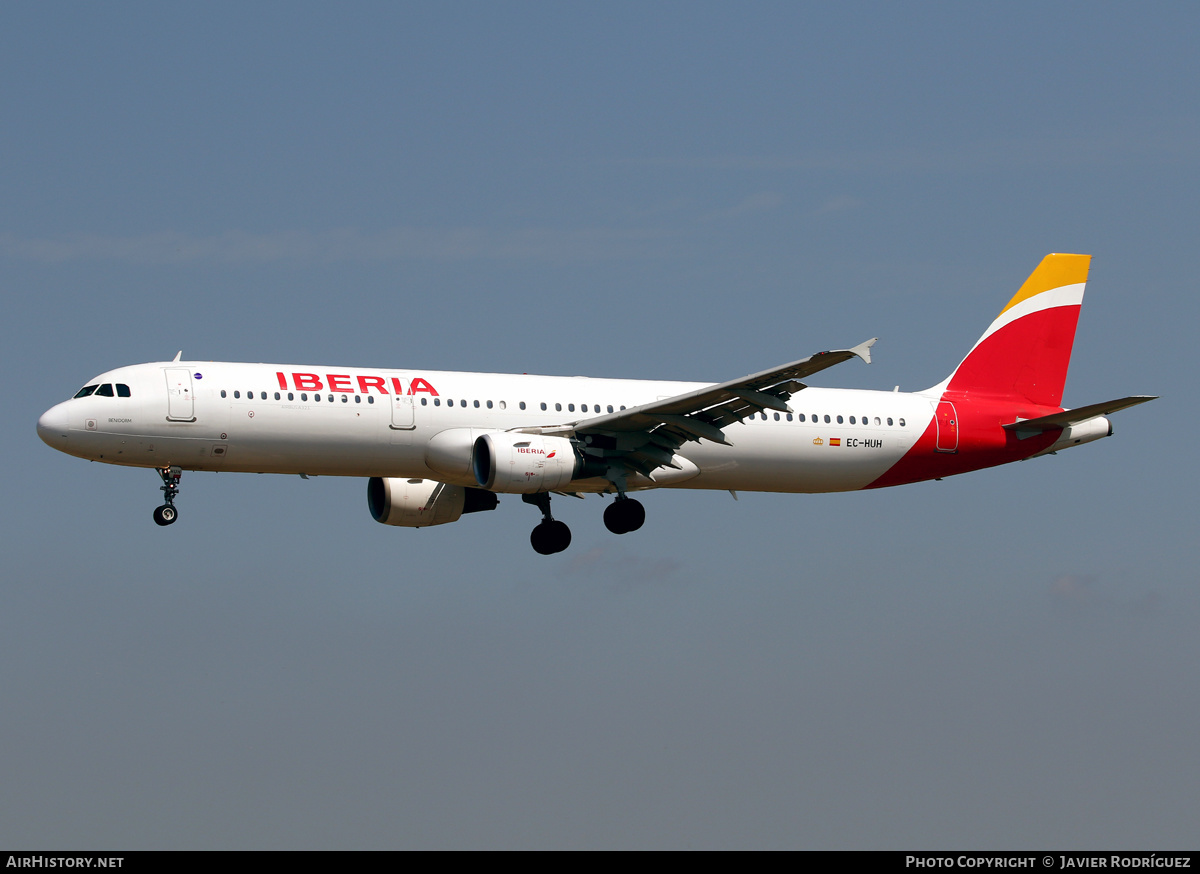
[362,383]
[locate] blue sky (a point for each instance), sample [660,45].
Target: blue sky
[683,191]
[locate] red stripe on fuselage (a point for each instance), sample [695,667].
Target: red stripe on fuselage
[982,442]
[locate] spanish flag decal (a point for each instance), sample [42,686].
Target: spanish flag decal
[835,441]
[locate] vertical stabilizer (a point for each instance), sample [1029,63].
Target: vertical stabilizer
[1025,352]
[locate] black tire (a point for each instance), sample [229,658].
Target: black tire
[614,519]
[165,515]
[541,540]
[635,514]
[561,534]
[624,515]
[550,537]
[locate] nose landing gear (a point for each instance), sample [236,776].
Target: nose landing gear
[550,536]
[166,514]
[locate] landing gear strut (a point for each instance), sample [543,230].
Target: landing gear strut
[624,515]
[166,514]
[550,536]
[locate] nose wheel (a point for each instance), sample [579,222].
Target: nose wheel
[166,514]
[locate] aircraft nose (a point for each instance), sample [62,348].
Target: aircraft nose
[52,426]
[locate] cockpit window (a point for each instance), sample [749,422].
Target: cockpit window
[122,390]
[85,391]
[105,391]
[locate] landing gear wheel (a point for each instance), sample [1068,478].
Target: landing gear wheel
[550,537]
[165,515]
[624,515]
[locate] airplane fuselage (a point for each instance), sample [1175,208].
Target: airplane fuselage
[320,421]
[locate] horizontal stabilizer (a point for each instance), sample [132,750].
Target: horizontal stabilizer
[1073,417]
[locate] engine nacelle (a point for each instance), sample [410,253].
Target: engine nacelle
[448,453]
[524,463]
[419,503]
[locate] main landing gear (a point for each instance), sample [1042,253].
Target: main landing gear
[624,515]
[550,536]
[166,514]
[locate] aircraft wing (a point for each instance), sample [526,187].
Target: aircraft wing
[647,436]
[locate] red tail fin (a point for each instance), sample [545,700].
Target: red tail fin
[1025,352]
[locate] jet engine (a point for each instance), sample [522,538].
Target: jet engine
[524,463]
[419,503]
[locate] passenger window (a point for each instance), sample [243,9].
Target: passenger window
[901,423]
[558,408]
[437,402]
[330,398]
[776,417]
[85,391]
[477,404]
[789,417]
[345,398]
[222,392]
[543,405]
[122,390]
[303,395]
[489,403]
[237,394]
[424,401]
[358,399]
[609,408]
[291,397]
[521,405]
[571,408]
[852,422]
[317,398]
[800,417]
[876,420]
[839,420]
[826,418]
[371,399]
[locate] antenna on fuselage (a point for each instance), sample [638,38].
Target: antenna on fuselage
[178,355]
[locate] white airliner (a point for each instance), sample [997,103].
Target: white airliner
[436,445]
